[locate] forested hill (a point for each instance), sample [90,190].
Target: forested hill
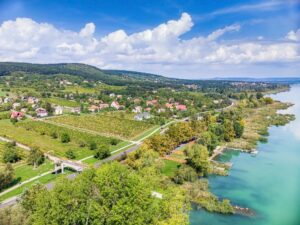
[118,77]
[115,77]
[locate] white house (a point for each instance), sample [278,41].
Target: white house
[58,110]
[16,105]
[40,112]
[137,109]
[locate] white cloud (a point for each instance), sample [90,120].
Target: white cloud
[161,49]
[293,35]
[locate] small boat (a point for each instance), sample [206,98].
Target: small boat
[254,153]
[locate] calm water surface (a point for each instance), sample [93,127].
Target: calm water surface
[269,183]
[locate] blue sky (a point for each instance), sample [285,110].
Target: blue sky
[190,39]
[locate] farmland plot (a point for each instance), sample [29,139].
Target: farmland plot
[106,124]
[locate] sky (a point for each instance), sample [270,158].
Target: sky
[192,39]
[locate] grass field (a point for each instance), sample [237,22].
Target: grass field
[62,102]
[106,124]
[170,168]
[43,180]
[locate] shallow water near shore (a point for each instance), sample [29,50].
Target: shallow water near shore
[268,183]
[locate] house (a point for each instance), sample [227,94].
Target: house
[103,106]
[76,110]
[181,107]
[148,109]
[137,109]
[40,112]
[119,96]
[93,108]
[16,105]
[112,95]
[7,100]
[115,105]
[142,116]
[152,102]
[161,110]
[58,110]
[137,101]
[32,100]
[17,115]
[169,106]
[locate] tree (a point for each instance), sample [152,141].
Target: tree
[54,135]
[238,129]
[70,154]
[10,153]
[6,176]
[102,152]
[36,157]
[65,138]
[93,145]
[229,133]
[259,95]
[106,196]
[185,173]
[198,158]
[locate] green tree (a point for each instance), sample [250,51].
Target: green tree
[102,152]
[70,154]
[10,153]
[6,176]
[92,145]
[198,158]
[65,138]
[185,173]
[238,129]
[36,157]
[106,196]
[229,133]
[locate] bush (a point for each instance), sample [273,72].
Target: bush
[10,154]
[114,141]
[54,135]
[185,173]
[102,152]
[65,138]
[92,145]
[70,154]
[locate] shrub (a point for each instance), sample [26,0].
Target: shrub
[102,152]
[70,154]
[92,145]
[65,138]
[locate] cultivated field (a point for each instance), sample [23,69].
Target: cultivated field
[36,133]
[117,125]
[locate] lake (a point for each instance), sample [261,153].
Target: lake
[268,183]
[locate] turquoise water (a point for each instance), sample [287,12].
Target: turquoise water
[269,183]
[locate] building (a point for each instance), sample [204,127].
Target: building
[16,105]
[103,106]
[181,107]
[115,105]
[58,110]
[142,116]
[152,102]
[169,106]
[112,95]
[17,115]
[137,109]
[93,108]
[76,110]
[32,100]
[40,112]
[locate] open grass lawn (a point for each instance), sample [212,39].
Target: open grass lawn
[2,93]
[62,102]
[97,89]
[43,180]
[170,168]
[106,124]
[24,172]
